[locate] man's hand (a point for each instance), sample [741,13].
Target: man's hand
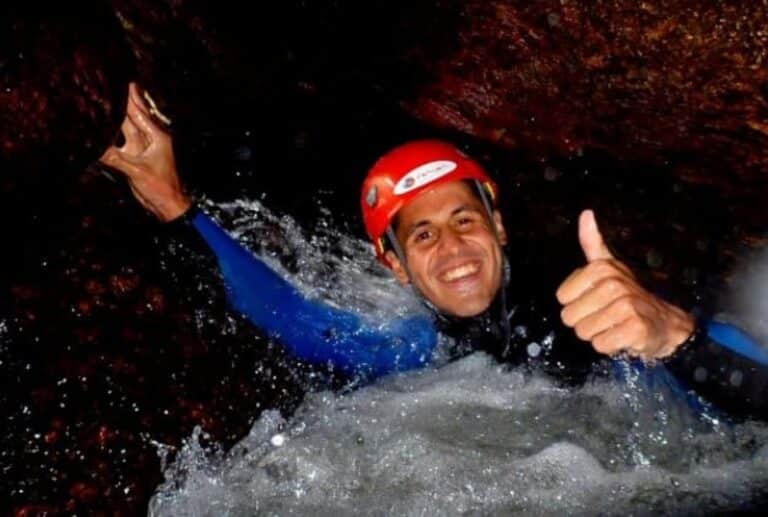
[605,305]
[148,162]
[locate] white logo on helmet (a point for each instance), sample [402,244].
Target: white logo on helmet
[424,174]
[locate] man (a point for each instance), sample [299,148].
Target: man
[430,211]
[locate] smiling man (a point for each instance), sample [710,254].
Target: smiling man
[453,250]
[430,211]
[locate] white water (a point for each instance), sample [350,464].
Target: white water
[472,437]
[747,304]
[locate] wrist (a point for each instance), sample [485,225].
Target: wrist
[183,221]
[683,329]
[176,208]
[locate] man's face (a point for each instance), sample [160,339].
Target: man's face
[451,251]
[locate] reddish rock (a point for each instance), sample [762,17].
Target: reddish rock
[84,492]
[124,283]
[34,510]
[643,80]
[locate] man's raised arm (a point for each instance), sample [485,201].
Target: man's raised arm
[311,330]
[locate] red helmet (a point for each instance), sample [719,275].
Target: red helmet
[407,171]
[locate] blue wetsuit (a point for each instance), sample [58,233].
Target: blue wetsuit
[720,361]
[313,331]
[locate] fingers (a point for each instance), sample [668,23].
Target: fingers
[630,335]
[604,292]
[637,323]
[121,161]
[139,114]
[591,239]
[586,278]
[609,316]
[135,96]
[135,141]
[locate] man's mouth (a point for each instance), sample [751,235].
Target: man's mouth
[460,272]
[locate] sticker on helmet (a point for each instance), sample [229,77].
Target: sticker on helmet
[424,174]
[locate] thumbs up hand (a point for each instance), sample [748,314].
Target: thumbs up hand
[605,305]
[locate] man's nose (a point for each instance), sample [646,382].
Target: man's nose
[450,241]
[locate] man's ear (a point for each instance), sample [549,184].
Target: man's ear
[500,231]
[397,267]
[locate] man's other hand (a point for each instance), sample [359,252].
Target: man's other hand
[148,162]
[605,305]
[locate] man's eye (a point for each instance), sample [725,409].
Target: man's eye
[422,236]
[464,221]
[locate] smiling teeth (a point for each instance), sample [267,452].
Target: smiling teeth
[459,272]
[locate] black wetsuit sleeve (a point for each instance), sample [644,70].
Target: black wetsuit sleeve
[726,367]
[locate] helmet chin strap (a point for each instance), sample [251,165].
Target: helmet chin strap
[401,257]
[506,271]
[505,315]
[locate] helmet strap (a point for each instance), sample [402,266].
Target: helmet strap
[395,244]
[505,315]
[487,204]
[404,263]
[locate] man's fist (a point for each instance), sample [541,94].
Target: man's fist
[605,305]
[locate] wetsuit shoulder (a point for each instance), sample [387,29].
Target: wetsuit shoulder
[545,342]
[536,337]
[312,330]
[726,366]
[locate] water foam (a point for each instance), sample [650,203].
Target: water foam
[470,437]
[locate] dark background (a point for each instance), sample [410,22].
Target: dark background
[654,115]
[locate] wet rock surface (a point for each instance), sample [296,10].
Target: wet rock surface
[649,113]
[659,80]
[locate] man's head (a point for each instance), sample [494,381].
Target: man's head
[428,209]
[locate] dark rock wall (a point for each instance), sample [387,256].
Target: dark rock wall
[651,81]
[62,87]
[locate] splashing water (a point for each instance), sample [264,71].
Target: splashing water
[747,302]
[470,437]
[328,264]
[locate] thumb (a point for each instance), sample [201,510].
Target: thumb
[591,239]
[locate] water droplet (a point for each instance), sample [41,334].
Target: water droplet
[654,259]
[243,153]
[551,174]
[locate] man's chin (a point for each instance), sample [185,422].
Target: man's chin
[467,309]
